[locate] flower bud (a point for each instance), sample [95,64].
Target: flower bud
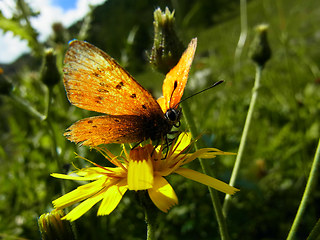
[50,74]
[167,48]
[260,51]
[59,33]
[53,228]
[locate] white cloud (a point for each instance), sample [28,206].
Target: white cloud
[12,48]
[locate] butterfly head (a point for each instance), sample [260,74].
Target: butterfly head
[173,116]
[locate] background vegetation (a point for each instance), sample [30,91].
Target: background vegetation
[281,142]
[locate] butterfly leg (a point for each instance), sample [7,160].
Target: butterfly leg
[167,146]
[178,124]
[154,148]
[176,133]
[137,144]
[168,143]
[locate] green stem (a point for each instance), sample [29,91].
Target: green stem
[55,153]
[244,136]
[244,30]
[206,170]
[315,233]
[26,16]
[150,213]
[150,225]
[313,177]
[25,106]
[51,131]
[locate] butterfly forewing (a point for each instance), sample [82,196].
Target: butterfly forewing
[176,79]
[96,82]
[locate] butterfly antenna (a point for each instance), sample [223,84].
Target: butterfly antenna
[212,86]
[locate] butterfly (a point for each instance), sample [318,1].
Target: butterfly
[94,81]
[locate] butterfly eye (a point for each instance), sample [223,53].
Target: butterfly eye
[173,115]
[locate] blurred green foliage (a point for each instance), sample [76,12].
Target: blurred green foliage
[281,141]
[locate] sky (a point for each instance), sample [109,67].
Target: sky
[65,11]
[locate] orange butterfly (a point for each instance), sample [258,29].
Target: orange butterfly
[94,81]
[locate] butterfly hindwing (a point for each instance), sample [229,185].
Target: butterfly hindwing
[96,82]
[106,129]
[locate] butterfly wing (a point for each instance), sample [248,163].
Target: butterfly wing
[106,129]
[175,81]
[96,82]
[102,129]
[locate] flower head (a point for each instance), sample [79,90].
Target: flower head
[260,51]
[167,47]
[52,227]
[143,168]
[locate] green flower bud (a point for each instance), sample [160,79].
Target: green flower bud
[5,85]
[53,228]
[260,51]
[59,33]
[50,74]
[167,48]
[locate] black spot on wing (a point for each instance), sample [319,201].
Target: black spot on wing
[120,85]
[100,98]
[175,84]
[103,90]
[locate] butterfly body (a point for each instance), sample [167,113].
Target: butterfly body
[96,82]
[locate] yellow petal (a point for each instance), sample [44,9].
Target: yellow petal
[83,207]
[140,174]
[112,197]
[79,194]
[76,178]
[162,194]
[205,153]
[206,180]
[217,152]
[96,170]
[182,142]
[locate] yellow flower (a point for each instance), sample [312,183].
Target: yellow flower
[144,168]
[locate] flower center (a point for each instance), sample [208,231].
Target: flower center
[141,153]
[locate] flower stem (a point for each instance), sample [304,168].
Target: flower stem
[26,106]
[315,233]
[55,153]
[206,170]
[150,213]
[313,178]
[244,136]
[150,225]
[51,131]
[244,30]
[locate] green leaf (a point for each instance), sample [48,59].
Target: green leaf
[23,32]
